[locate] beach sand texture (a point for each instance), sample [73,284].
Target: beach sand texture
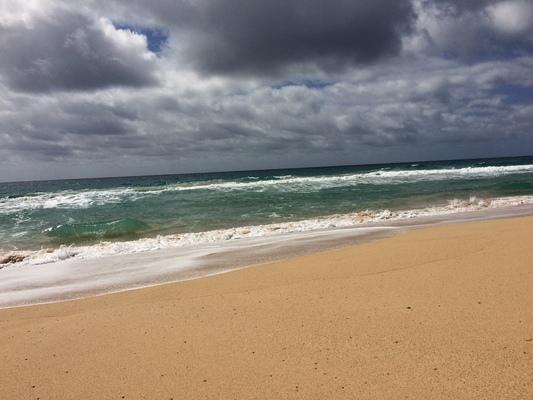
[435,313]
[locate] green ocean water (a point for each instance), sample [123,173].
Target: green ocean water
[48,214]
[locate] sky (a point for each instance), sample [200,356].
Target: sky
[140,87]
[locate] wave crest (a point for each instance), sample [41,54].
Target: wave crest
[88,198]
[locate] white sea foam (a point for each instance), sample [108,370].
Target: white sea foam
[88,198]
[382,176]
[355,219]
[66,199]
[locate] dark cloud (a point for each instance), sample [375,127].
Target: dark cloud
[69,51]
[264,37]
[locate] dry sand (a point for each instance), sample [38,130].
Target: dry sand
[442,312]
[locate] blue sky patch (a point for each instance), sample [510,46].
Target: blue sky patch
[156,37]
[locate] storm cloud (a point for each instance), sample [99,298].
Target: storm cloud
[264,37]
[68,51]
[162,86]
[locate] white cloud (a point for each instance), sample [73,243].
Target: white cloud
[125,39]
[512,17]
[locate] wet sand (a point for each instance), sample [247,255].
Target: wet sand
[440,312]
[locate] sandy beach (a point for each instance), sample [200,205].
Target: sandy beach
[434,313]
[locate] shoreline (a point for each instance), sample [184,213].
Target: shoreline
[181,264]
[351,220]
[438,312]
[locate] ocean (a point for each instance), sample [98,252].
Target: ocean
[49,221]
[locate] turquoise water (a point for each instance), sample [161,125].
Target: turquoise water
[41,214]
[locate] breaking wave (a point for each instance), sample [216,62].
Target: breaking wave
[107,248]
[71,199]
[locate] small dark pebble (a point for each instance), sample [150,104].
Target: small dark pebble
[12,259]
[408,308]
